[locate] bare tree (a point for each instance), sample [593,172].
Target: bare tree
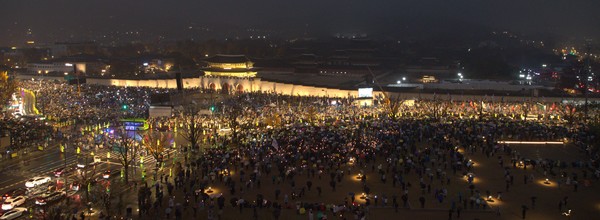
[127,149]
[192,129]
[433,107]
[311,114]
[7,88]
[568,113]
[155,143]
[392,107]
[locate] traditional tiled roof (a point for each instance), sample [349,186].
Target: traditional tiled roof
[220,58]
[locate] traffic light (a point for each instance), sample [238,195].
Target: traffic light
[213,108]
[124,107]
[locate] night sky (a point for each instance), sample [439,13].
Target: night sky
[568,18]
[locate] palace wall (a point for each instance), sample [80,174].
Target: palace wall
[256,84]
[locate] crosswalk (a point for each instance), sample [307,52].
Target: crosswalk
[48,167]
[148,160]
[43,169]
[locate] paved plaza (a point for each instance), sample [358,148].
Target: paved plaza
[489,177]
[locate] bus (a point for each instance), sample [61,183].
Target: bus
[135,124]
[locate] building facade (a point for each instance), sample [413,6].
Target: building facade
[238,66]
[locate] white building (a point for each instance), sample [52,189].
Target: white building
[54,67]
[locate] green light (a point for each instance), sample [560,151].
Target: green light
[212,108]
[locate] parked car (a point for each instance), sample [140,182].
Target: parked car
[51,197]
[33,182]
[13,193]
[13,214]
[13,202]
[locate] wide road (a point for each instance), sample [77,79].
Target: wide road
[15,172]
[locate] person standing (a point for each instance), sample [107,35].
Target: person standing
[395,202]
[560,205]
[498,210]
[168,212]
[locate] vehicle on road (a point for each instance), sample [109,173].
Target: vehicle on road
[84,163]
[14,202]
[74,185]
[106,174]
[33,182]
[13,214]
[13,193]
[51,197]
[63,170]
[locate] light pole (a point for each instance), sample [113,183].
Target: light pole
[63,149]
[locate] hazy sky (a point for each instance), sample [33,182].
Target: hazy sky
[571,18]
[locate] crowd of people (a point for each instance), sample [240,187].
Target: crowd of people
[279,149]
[297,145]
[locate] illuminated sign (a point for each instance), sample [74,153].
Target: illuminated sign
[365,93]
[135,124]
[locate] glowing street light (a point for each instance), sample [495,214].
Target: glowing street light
[363,196]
